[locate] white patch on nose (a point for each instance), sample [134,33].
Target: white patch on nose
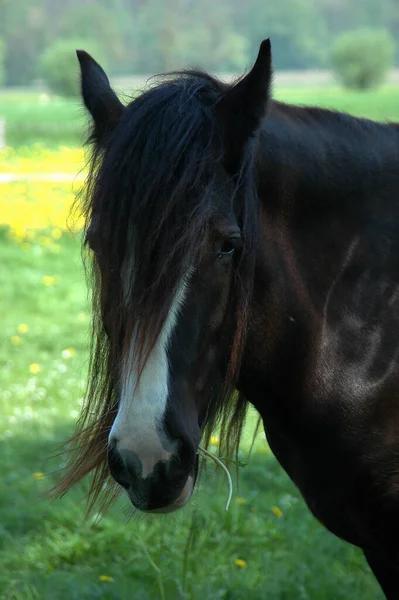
[138,426]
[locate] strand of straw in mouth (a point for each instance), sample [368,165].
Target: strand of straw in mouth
[219,462]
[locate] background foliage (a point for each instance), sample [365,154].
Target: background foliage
[58,65]
[363,57]
[145,36]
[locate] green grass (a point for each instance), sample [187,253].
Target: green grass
[32,117]
[381,104]
[47,550]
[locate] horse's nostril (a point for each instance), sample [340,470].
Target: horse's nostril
[150,488]
[118,467]
[113,443]
[187,452]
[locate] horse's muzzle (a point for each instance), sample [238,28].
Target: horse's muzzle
[166,489]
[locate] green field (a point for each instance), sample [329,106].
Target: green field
[34,117]
[267,546]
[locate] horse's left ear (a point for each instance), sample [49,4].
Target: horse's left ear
[98,96]
[241,109]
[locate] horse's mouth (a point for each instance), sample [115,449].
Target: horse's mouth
[181,500]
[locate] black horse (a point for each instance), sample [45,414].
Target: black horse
[244,251]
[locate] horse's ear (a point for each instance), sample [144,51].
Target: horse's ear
[242,107]
[98,96]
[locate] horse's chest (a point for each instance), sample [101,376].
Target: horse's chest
[323,475]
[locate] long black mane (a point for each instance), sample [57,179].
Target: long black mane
[151,194]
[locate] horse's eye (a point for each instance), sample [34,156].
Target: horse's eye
[229,246]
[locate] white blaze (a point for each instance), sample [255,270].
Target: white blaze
[138,425]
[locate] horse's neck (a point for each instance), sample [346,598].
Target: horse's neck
[329,196]
[322,160]
[325,178]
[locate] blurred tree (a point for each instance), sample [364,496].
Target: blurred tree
[1,62]
[296,28]
[156,35]
[181,32]
[24,31]
[341,15]
[219,46]
[59,66]
[362,58]
[93,21]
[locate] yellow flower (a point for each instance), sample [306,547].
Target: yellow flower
[240,500]
[37,210]
[23,328]
[240,562]
[15,340]
[34,368]
[45,241]
[68,353]
[277,511]
[38,475]
[49,280]
[56,233]
[18,232]
[214,440]
[105,578]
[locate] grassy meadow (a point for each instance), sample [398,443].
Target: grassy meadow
[267,546]
[36,117]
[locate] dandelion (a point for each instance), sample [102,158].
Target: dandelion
[45,241]
[105,578]
[56,233]
[277,511]
[49,280]
[23,328]
[52,203]
[240,500]
[34,368]
[214,440]
[18,232]
[38,475]
[68,353]
[15,340]
[240,562]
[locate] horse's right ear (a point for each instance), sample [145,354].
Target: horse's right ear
[98,96]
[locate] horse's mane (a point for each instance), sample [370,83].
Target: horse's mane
[149,198]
